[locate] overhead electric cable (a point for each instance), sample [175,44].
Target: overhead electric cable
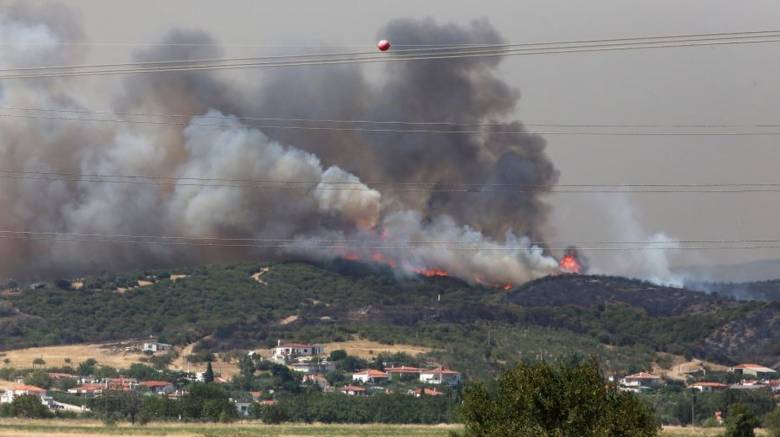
[400,187]
[604,46]
[302,244]
[754,133]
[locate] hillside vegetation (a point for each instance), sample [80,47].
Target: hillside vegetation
[624,323]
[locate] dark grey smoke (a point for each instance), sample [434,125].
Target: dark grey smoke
[461,91]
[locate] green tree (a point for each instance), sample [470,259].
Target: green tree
[29,406]
[554,400]
[741,421]
[38,362]
[87,367]
[772,422]
[38,378]
[338,355]
[208,375]
[272,414]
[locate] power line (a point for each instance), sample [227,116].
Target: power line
[443,45]
[434,48]
[403,131]
[384,241]
[351,244]
[380,122]
[399,186]
[452,54]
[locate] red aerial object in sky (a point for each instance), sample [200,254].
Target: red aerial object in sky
[383,45]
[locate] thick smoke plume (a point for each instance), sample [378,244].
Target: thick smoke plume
[481,237]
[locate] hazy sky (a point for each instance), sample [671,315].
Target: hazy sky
[734,84]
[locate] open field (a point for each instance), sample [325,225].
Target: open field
[90,428]
[369,349]
[55,355]
[40,428]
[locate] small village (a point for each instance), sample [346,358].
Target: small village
[309,365]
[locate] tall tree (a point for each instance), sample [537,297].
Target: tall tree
[208,375]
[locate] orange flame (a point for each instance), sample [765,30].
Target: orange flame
[351,256]
[429,273]
[379,258]
[569,264]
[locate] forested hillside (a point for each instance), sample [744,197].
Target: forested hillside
[477,329]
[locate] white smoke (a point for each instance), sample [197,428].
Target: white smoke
[648,259]
[413,244]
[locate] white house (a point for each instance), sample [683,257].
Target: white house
[312,366]
[156,347]
[9,395]
[755,370]
[638,382]
[284,352]
[440,375]
[370,375]
[708,387]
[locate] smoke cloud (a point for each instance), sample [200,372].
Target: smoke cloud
[651,261]
[376,218]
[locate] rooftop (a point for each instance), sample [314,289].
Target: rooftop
[642,375]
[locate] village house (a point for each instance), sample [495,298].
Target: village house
[639,382]
[440,375]
[353,390]
[754,370]
[319,379]
[155,347]
[750,384]
[120,384]
[88,390]
[286,352]
[312,366]
[708,387]
[370,375]
[158,387]
[9,395]
[425,391]
[403,372]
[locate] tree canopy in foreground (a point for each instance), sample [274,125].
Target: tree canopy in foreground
[543,399]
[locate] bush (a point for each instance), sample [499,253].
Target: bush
[29,407]
[772,422]
[545,400]
[741,422]
[273,414]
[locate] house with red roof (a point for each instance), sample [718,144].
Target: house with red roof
[425,391]
[370,375]
[158,387]
[403,372]
[9,395]
[708,387]
[89,389]
[440,375]
[353,390]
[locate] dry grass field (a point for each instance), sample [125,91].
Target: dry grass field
[106,354]
[41,428]
[369,349]
[89,428]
